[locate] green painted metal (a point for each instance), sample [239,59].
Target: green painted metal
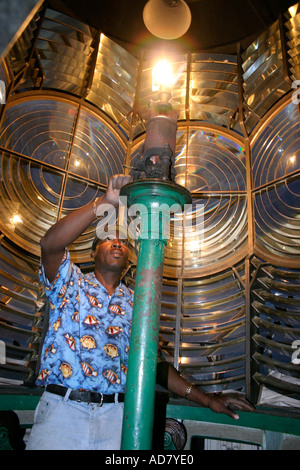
[265,418]
[139,405]
[19,398]
[168,442]
[153,199]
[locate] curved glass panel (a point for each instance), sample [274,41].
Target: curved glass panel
[276,332]
[29,201]
[211,347]
[277,218]
[215,235]
[205,87]
[20,319]
[225,230]
[276,149]
[114,80]
[276,183]
[216,227]
[292,26]
[60,160]
[40,129]
[209,161]
[264,75]
[96,152]
[213,88]
[65,49]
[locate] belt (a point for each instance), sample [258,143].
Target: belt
[85,395]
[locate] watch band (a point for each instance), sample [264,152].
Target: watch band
[188,391]
[95,206]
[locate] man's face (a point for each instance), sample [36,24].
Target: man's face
[111,254]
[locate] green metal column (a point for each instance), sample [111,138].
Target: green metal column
[154,198]
[139,406]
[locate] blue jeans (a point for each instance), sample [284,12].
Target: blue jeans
[63,424]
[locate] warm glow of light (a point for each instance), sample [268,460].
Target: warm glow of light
[293,11]
[183,360]
[293,159]
[16,219]
[162,76]
[193,245]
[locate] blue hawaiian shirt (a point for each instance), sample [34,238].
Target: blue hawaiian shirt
[87,342]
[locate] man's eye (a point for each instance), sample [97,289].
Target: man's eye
[111,239]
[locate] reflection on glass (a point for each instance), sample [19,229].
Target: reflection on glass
[213,331]
[19,296]
[276,150]
[277,213]
[213,88]
[263,74]
[114,81]
[97,153]
[78,193]
[221,235]
[212,161]
[29,201]
[40,129]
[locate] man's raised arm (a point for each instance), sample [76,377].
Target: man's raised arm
[68,229]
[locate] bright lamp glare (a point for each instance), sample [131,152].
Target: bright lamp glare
[16,219]
[162,76]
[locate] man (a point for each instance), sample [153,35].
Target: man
[85,352]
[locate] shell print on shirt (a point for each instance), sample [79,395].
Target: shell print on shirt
[87,342]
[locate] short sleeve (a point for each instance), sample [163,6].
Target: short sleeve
[62,277]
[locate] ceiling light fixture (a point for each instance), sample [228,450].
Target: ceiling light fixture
[167,19]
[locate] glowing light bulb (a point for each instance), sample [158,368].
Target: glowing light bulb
[162,76]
